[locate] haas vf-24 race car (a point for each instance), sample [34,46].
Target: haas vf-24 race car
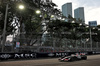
[73,57]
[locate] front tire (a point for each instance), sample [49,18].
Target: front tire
[85,58]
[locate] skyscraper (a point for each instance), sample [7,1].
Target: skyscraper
[67,9]
[92,23]
[79,14]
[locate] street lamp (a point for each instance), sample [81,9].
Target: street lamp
[38,11]
[52,16]
[80,24]
[73,21]
[21,7]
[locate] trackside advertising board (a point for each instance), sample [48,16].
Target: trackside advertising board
[17,44]
[38,55]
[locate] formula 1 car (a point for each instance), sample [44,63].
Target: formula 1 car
[73,57]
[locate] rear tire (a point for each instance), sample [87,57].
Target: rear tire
[72,59]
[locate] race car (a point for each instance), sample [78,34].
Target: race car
[73,57]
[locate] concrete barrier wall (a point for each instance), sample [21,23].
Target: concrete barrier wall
[39,55]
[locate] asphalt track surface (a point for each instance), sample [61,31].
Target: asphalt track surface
[93,60]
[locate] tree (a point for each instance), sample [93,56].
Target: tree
[33,23]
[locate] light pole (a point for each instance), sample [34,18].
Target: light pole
[90,37]
[4,30]
[97,41]
[90,32]
[21,7]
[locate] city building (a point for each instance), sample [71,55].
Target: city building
[79,14]
[67,9]
[92,23]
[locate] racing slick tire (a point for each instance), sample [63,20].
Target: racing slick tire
[72,59]
[84,58]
